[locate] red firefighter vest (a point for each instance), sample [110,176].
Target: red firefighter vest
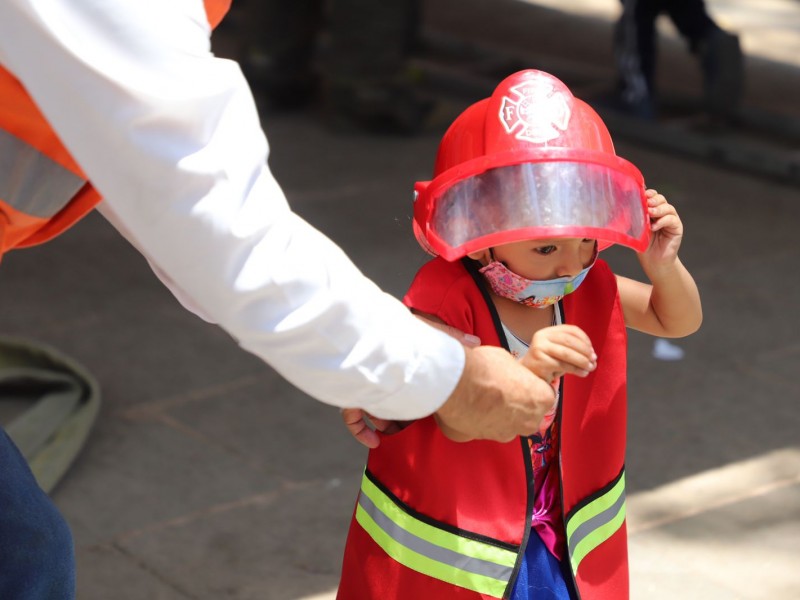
[446,520]
[43,191]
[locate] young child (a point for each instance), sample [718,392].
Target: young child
[527,191]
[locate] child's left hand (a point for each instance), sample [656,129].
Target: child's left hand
[667,232]
[363,426]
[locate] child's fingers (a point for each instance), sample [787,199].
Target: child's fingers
[356,423]
[564,333]
[387,426]
[668,222]
[567,336]
[550,368]
[569,360]
[657,209]
[563,349]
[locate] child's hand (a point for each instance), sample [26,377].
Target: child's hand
[667,230]
[358,424]
[560,349]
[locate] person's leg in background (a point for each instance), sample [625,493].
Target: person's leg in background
[37,559]
[635,44]
[635,49]
[718,51]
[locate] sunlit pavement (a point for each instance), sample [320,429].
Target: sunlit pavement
[208,477]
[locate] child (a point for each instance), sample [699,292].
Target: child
[527,190]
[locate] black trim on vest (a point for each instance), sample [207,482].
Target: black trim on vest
[470,535]
[572,584]
[472,268]
[591,498]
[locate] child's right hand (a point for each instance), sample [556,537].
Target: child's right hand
[558,350]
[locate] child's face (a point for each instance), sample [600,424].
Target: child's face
[542,259]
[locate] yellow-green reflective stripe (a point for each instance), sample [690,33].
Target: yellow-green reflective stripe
[597,537]
[594,523]
[31,182]
[470,564]
[440,537]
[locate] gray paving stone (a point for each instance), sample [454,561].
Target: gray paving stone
[286,544]
[106,572]
[749,551]
[137,474]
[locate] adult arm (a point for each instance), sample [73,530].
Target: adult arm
[170,136]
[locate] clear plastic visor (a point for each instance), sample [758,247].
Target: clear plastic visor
[539,199]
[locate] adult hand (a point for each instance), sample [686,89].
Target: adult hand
[497,398]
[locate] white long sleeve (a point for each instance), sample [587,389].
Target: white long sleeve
[170,137]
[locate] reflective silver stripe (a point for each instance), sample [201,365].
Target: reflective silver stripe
[432,551]
[589,527]
[453,556]
[31,182]
[595,522]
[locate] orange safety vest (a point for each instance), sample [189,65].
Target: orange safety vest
[43,191]
[448,520]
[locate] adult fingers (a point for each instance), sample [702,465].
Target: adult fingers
[496,399]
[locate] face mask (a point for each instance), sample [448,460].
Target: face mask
[537,294]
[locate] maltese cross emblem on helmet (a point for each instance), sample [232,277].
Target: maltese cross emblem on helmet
[537,114]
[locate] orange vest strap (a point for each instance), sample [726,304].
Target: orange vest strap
[216,10]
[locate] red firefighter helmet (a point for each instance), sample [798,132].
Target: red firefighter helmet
[532,161]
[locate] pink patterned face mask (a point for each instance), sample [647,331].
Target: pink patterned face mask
[536,294]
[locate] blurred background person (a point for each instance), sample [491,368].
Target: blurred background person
[635,51]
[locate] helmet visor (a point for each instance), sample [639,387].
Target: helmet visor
[531,200]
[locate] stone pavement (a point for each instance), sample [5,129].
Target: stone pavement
[731,532]
[207,476]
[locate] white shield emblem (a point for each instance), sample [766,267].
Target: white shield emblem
[537,114]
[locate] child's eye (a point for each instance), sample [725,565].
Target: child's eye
[546,249]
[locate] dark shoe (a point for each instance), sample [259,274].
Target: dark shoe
[641,108]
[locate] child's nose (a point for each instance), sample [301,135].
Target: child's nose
[570,266]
